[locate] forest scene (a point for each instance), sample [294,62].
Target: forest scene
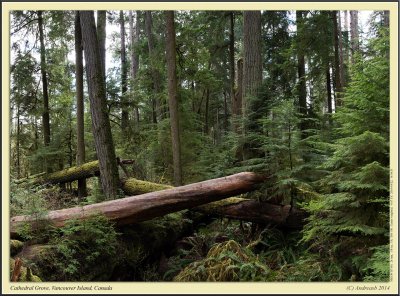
[199,146]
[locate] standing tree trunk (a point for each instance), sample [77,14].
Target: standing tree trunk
[385,18]
[124,74]
[301,71]
[252,70]
[45,112]
[341,51]
[134,39]
[80,126]
[98,107]
[354,33]
[337,70]
[173,100]
[154,71]
[101,35]
[328,88]
[252,62]
[17,148]
[232,61]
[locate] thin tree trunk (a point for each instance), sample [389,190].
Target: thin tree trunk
[124,74]
[18,143]
[154,71]
[45,112]
[173,99]
[337,70]
[354,33]
[386,18]
[101,35]
[134,39]
[80,124]
[341,52]
[206,111]
[232,61]
[98,107]
[328,89]
[237,102]
[301,71]
[347,41]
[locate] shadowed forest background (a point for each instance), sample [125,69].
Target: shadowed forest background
[283,114]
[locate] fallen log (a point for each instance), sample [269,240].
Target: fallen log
[283,216]
[234,207]
[86,170]
[150,205]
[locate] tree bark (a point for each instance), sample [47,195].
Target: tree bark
[301,71]
[124,74]
[98,107]
[155,74]
[328,89]
[80,125]
[45,112]
[173,99]
[354,33]
[341,51]
[134,39]
[237,102]
[101,35]
[252,62]
[232,61]
[254,211]
[144,207]
[337,70]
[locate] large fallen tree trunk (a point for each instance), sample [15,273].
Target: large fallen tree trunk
[234,207]
[150,205]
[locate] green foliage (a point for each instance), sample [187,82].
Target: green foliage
[352,214]
[83,247]
[226,261]
[377,268]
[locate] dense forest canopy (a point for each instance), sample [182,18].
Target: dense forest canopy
[147,100]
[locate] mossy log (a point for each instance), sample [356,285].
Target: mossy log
[144,207]
[86,170]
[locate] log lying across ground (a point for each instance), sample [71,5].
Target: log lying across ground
[234,207]
[86,170]
[150,205]
[254,211]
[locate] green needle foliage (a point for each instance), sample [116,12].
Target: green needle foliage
[352,214]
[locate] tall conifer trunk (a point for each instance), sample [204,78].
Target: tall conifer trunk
[134,39]
[172,94]
[98,107]
[101,35]
[124,74]
[80,134]
[45,112]
[301,72]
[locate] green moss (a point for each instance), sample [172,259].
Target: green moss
[133,186]
[70,174]
[15,246]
